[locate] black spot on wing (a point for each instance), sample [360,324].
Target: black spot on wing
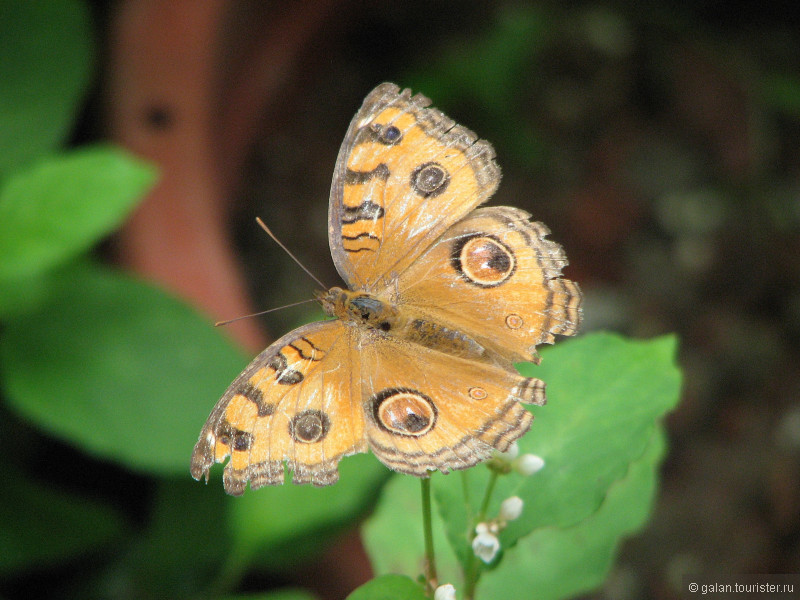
[352,177]
[375,133]
[360,236]
[283,374]
[309,426]
[366,211]
[254,395]
[235,438]
[430,179]
[301,352]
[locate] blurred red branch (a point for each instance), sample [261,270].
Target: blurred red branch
[190,96]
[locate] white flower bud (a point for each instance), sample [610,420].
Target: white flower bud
[528,464]
[445,592]
[482,528]
[507,456]
[511,508]
[485,546]
[512,452]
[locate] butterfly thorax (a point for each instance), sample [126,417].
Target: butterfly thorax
[358,308]
[370,312]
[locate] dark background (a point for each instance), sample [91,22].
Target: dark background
[658,141]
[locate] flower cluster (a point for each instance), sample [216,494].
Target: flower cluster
[510,460]
[486,543]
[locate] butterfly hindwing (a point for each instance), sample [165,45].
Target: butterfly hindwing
[428,410]
[494,277]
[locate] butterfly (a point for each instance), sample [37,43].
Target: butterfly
[442,298]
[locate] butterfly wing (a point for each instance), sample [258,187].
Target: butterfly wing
[427,410]
[405,173]
[494,277]
[298,402]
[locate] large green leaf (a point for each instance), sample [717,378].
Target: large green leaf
[389,587]
[606,395]
[583,376]
[62,206]
[117,367]
[45,65]
[41,526]
[554,563]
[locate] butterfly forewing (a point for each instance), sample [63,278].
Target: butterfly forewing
[405,173]
[298,403]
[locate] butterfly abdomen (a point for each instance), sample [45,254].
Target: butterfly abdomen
[438,337]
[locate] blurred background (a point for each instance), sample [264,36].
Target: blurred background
[658,141]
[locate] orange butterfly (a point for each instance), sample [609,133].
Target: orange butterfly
[443,298]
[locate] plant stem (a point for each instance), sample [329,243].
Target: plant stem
[430,561]
[487,497]
[472,572]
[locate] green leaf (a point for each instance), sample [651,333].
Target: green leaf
[606,395]
[62,206]
[307,513]
[389,587]
[179,552]
[45,67]
[118,368]
[19,295]
[393,533]
[554,563]
[31,513]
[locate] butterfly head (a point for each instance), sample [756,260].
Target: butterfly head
[331,301]
[358,308]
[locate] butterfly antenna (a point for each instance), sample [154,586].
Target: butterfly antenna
[263,312]
[285,249]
